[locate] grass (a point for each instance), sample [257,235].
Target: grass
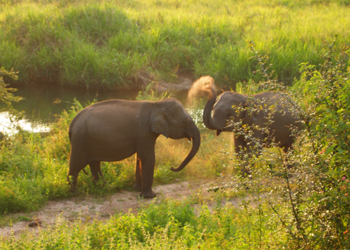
[169,224]
[107,44]
[104,44]
[277,208]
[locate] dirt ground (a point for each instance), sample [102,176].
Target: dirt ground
[100,208]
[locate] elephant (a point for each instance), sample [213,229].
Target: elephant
[113,130]
[270,117]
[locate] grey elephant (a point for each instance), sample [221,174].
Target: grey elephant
[113,130]
[270,117]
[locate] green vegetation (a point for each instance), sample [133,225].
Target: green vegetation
[7,96]
[303,207]
[298,200]
[111,44]
[167,225]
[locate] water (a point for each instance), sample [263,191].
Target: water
[42,104]
[8,124]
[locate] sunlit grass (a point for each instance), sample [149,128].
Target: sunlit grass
[164,225]
[86,43]
[92,43]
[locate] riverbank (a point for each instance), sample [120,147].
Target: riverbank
[123,45]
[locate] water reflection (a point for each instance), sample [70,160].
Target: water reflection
[9,125]
[42,104]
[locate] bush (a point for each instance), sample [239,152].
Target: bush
[311,199]
[325,218]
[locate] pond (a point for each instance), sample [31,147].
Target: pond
[42,104]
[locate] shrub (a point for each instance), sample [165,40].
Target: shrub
[6,94]
[325,218]
[311,199]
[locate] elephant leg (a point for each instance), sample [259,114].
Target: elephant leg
[240,149]
[246,147]
[138,174]
[240,146]
[288,146]
[75,166]
[147,159]
[95,168]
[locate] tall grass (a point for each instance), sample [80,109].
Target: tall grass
[106,44]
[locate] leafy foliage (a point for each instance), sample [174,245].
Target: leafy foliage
[326,90]
[309,189]
[6,94]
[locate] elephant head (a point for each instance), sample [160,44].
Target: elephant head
[268,115]
[230,106]
[170,119]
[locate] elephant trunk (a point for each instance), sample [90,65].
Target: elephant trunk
[196,141]
[207,119]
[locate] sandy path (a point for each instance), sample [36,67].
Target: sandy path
[100,208]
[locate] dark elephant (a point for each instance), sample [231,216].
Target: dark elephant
[270,117]
[116,129]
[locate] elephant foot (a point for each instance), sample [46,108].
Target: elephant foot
[137,188]
[100,183]
[149,194]
[73,190]
[245,172]
[72,184]
[293,165]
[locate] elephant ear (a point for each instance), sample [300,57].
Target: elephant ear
[242,104]
[159,122]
